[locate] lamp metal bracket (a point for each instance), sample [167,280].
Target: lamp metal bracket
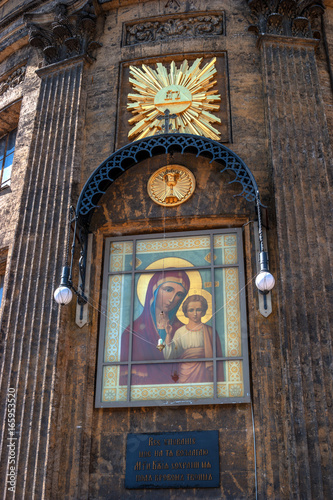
[265,300]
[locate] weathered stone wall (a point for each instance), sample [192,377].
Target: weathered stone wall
[69,449]
[25,95]
[324,57]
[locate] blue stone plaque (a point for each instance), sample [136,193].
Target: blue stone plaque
[173,460]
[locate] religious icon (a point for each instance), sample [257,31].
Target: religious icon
[171,185]
[159,342]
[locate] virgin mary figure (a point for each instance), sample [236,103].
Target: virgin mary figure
[165,292]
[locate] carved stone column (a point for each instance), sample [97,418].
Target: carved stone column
[31,318]
[302,173]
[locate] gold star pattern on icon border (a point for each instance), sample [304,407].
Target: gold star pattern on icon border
[185,92]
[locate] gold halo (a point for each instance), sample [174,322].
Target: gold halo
[197,291]
[142,285]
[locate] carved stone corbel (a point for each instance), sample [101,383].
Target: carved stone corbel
[64,34]
[292,18]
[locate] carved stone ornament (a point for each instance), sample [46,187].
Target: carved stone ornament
[171,185]
[292,18]
[172,5]
[15,77]
[171,27]
[183,92]
[65,35]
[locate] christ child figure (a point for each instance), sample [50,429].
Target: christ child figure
[193,341]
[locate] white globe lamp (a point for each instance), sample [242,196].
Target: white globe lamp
[63,295]
[265,281]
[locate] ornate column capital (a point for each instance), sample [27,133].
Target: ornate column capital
[64,33]
[291,18]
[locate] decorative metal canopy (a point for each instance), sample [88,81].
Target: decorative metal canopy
[133,153]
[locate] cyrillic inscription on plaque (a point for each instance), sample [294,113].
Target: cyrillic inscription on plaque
[173,460]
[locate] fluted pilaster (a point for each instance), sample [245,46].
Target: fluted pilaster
[31,318]
[302,173]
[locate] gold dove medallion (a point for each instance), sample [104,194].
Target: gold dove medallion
[171,185]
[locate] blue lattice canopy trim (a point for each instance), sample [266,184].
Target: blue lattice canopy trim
[137,151]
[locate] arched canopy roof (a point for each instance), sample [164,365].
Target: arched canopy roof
[135,152]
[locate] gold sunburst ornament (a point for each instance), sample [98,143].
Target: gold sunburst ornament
[185,92]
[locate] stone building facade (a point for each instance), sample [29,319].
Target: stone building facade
[64,84]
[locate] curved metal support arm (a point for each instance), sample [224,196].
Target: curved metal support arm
[67,270]
[263,255]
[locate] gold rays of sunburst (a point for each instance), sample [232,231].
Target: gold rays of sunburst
[186,92]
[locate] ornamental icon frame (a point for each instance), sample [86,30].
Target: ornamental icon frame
[125,395]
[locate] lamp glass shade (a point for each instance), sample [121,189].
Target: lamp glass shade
[265,281]
[63,295]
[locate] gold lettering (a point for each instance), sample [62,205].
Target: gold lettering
[179,441]
[144,454]
[189,453]
[137,466]
[160,465]
[186,465]
[154,442]
[170,477]
[199,477]
[144,478]
[172,95]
